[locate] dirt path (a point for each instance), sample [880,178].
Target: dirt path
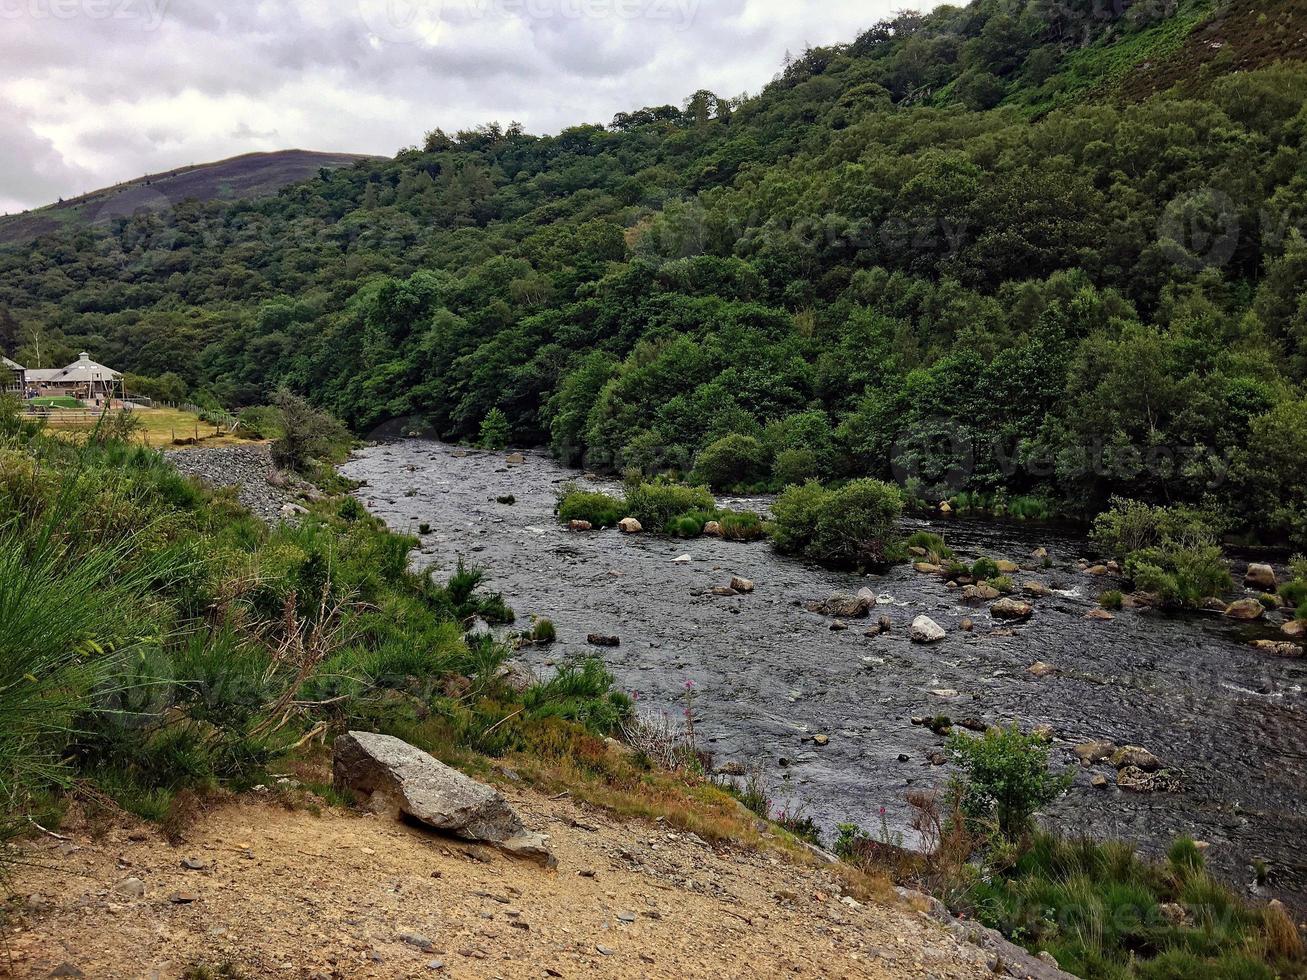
[286,893]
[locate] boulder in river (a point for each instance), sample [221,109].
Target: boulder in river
[580,526]
[926,630]
[1012,609]
[1137,780]
[845,606]
[1260,577]
[1041,669]
[1246,610]
[1036,589]
[712,529]
[629,525]
[1296,629]
[1098,750]
[926,568]
[1096,570]
[1290,651]
[406,781]
[1102,615]
[979,593]
[1134,756]
[600,640]
[742,585]
[1006,567]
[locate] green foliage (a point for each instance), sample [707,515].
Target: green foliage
[1006,778]
[1111,599]
[742,526]
[495,431]
[730,462]
[932,544]
[600,509]
[307,434]
[1180,576]
[655,505]
[851,526]
[1132,526]
[984,569]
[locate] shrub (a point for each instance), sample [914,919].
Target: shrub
[794,516]
[984,569]
[1298,567]
[543,631]
[351,510]
[688,526]
[656,504]
[742,526]
[1132,526]
[854,524]
[1294,593]
[795,466]
[1180,576]
[1111,599]
[1003,584]
[600,509]
[1007,778]
[308,434]
[495,433]
[731,461]
[1269,602]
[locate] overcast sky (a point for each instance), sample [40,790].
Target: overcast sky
[98,91]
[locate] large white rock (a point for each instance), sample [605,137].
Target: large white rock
[926,630]
[402,779]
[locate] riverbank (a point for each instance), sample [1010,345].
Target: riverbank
[768,675]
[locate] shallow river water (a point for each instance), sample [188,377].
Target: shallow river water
[768,675]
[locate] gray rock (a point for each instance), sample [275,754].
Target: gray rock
[405,780]
[1011,609]
[417,940]
[926,630]
[130,888]
[1139,758]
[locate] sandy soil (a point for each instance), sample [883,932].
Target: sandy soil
[286,893]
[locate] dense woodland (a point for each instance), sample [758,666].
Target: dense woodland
[995,250]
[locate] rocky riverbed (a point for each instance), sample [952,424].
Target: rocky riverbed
[267,492]
[1227,724]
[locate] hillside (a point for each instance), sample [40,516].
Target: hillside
[1021,258]
[251,175]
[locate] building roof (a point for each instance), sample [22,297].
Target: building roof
[81,371]
[12,365]
[43,374]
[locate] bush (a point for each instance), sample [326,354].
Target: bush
[1003,584]
[742,526]
[600,509]
[308,434]
[854,524]
[1132,526]
[688,526]
[1111,599]
[495,432]
[1180,576]
[1007,779]
[984,569]
[655,505]
[795,466]
[730,462]
[1294,593]
[543,631]
[794,516]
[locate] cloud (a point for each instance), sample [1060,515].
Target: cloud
[98,91]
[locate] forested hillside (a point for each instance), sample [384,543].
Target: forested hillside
[1038,250]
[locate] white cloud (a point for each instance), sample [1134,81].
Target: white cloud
[98,91]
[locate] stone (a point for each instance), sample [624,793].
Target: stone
[1098,750]
[194,864]
[1096,570]
[1036,589]
[966,626]
[1213,604]
[713,529]
[1291,651]
[600,640]
[293,510]
[1137,781]
[733,768]
[1007,567]
[946,508]
[926,630]
[183,898]
[1039,553]
[417,940]
[723,590]
[629,525]
[130,888]
[66,970]
[1174,913]
[1261,577]
[405,780]
[1102,615]
[682,560]
[926,568]
[1246,610]
[515,459]
[1041,669]
[1099,781]
[580,526]
[979,593]
[847,606]
[821,740]
[742,585]
[1297,628]
[1136,757]
[1011,609]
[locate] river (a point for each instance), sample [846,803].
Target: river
[767,674]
